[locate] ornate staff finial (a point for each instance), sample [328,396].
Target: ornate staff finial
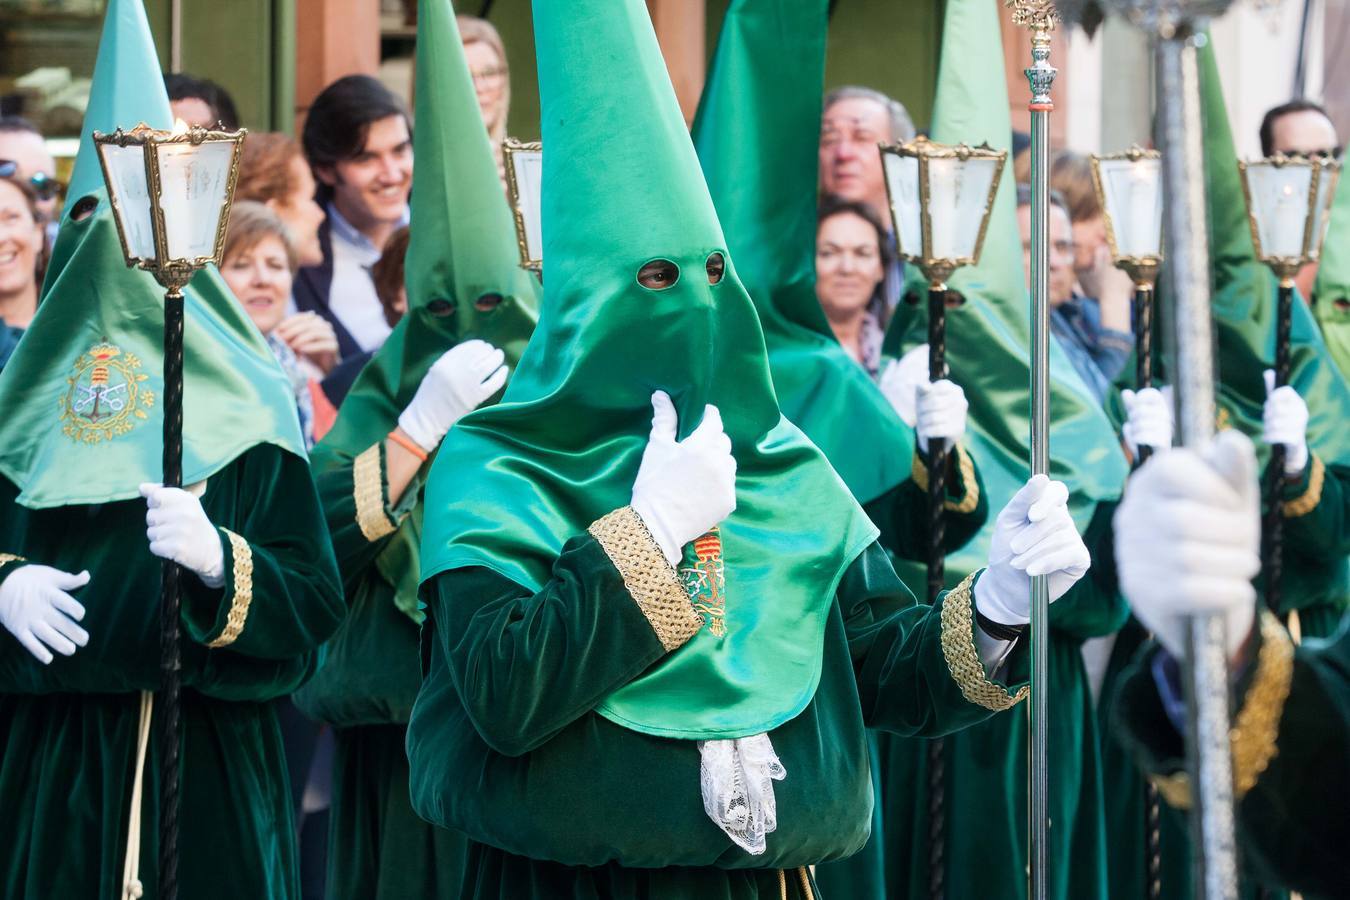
[1038,15]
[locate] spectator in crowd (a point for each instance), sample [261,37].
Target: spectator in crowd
[852,255]
[200,101]
[486,55]
[272,170]
[258,264]
[1097,345]
[23,260]
[22,145]
[855,119]
[387,273]
[1300,128]
[358,140]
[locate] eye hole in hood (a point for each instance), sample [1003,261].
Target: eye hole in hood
[487,302]
[716,267]
[84,208]
[441,308]
[658,275]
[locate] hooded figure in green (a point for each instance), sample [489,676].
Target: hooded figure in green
[1314,584]
[757,135]
[465,286]
[612,707]
[260,591]
[1331,292]
[984,842]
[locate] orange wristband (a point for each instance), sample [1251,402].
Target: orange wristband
[408,445]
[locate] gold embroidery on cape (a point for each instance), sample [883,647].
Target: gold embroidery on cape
[705,580]
[368,491]
[966,467]
[650,579]
[963,660]
[1307,501]
[242,555]
[9,558]
[1256,727]
[105,395]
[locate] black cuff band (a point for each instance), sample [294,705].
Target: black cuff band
[998,629]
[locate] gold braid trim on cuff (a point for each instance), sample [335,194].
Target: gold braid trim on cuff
[368,491]
[648,576]
[1307,501]
[966,467]
[1257,725]
[242,555]
[6,558]
[963,661]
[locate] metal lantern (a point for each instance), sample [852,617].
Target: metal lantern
[170,193]
[941,198]
[1289,208]
[1129,191]
[524,184]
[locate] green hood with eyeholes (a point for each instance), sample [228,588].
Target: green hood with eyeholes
[462,272]
[83,393]
[757,134]
[621,189]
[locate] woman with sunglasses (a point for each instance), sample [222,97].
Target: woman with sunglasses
[24,154]
[23,260]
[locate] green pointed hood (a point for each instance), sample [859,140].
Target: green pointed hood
[462,249]
[1245,303]
[126,56]
[757,133]
[622,187]
[988,338]
[83,392]
[1333,282]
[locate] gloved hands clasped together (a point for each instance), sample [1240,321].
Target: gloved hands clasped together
[936,410]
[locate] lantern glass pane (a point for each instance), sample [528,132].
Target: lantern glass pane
[958,194]
[131,194]
[528,166]
[1132,190]
[1326,195]
[193,184]
[902,178]
[1280,197]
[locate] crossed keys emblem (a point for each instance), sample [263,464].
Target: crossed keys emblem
[105,395]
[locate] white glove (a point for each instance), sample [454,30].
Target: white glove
[464,376]
[36,608]
[1188,539]
[179,530]
[900,380]
[1033,535]
[684,488]
[942,412]
[1148,421]
[1286,421]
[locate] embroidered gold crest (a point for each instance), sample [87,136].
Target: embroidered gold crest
[106,396]
[704,578]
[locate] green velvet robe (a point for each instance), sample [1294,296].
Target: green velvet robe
[1315,546]
[560,802]
[69,728]
[985,768]
[378,847]
[1292,826]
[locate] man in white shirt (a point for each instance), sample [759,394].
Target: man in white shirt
[358,141]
